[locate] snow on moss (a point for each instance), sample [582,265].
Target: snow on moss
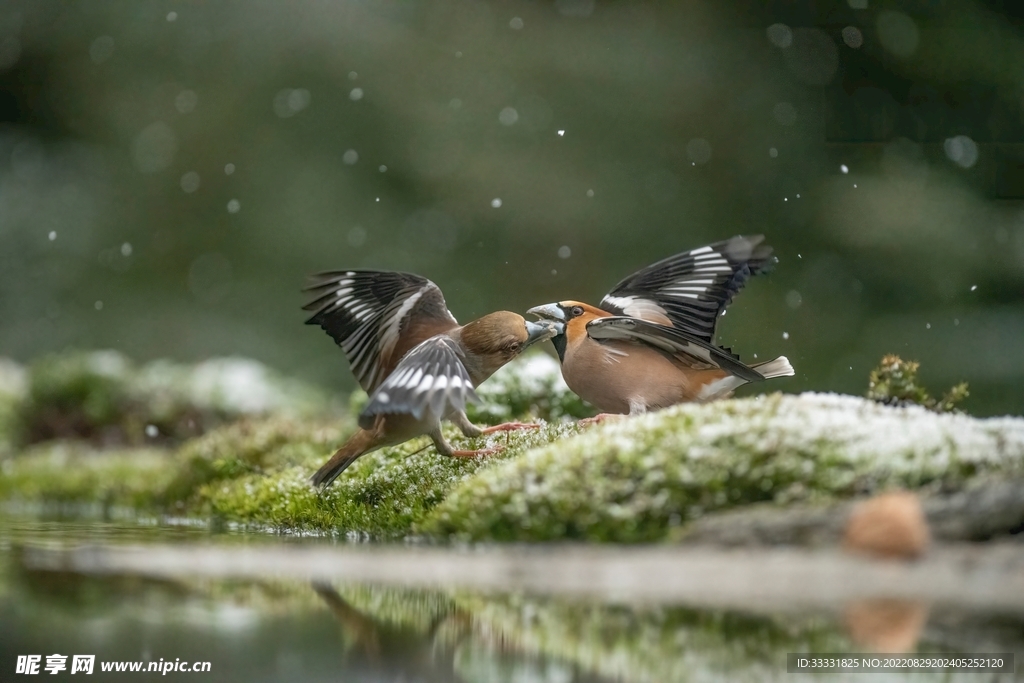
[633,479]
[103,396]
[530,387]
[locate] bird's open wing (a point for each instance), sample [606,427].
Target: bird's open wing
[693,288]
[671,340]
[430,378]
[376,317]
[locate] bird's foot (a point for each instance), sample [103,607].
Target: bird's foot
[510,427]
[597,419]
[482,451]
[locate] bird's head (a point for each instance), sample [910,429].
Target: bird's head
[497,338]
[574,315]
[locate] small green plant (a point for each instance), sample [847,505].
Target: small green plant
[894,382]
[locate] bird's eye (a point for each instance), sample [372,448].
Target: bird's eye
[514,346]
[576,311]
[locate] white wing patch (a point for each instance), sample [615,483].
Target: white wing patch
[429,383]
[366,313]
[391,328]
[719,388]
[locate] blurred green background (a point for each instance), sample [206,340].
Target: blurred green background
[171,171]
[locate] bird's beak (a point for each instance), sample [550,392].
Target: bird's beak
[539,331]
[548,312]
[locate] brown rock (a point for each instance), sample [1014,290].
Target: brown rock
[890,525]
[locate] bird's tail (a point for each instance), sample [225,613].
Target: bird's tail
[363,441]
[779,367]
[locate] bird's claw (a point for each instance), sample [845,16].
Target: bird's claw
[510,427]
[597,419]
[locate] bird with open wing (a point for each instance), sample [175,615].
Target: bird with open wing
[650,343]
[418,365]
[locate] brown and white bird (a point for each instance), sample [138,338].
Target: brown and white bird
[651,342]
[412,357]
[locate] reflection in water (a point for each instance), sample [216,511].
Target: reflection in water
[268,629]
[387,649]
[886,625]
[428,637]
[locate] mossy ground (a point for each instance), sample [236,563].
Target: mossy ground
[628,480]
[256,473]
[74,474]
[381,496]
[103,397]
[637,479]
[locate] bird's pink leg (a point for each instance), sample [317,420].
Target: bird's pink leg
[482,451]
[510,427]
[597,419]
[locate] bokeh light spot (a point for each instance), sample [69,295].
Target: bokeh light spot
[853,37]
[508,116]
[190,182]
[289,102]
[186,101]
[897,32]
[780,35]
[154,148]
[961,150]
[784,113]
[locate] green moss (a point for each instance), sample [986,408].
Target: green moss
[76,394]
[894,382]
[635,479]
[103,397]
[381,496]
[74,473]
[253,447]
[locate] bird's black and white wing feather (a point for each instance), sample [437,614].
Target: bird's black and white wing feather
[693,288]
[366,311]
[671,340]
[431,379]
